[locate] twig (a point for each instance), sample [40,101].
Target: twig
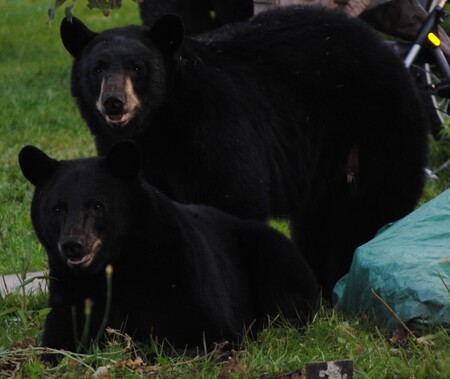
[109,273]
[394,314]
[5,286]
[87,325]
[443,282]
[46,350]
[74,357]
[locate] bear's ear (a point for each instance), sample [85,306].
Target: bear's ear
[168,33]
[124,159]
[75,35]
[36,166]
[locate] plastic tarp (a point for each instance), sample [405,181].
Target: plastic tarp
[406,265]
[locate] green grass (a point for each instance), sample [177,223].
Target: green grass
[278,350]
[36,108]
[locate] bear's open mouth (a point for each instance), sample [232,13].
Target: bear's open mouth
[119,119]
[84,260]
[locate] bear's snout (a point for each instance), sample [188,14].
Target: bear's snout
[117,101]
[71,248]
[76,252]
[114,106]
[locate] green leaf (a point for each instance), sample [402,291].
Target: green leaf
[68,12]
[51,14]
[58,3]
[8,311]
[44,312]
[103,5]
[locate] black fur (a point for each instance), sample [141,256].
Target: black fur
[198,15]
[265,118]
[186,273]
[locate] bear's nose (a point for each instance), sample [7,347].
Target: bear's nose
[113,106]
[72,248]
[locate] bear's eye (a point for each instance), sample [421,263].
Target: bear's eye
[98,69]
[98,206]
[137,68]
[60,207]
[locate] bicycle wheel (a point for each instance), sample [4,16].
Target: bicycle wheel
[430,85]
[440,104]
[434,83]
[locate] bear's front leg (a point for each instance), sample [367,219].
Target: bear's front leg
[58,329]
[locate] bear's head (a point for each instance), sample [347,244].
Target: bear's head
[81,208]
[120,76]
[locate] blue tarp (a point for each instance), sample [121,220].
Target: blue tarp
[405,264]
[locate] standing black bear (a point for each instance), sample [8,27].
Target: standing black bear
[298,113]
[198,15]
[182,272]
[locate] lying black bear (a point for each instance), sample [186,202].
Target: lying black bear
[298,113]
[181,272]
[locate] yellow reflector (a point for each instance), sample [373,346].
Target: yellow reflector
[434,39]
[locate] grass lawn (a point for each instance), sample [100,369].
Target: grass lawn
[36,108]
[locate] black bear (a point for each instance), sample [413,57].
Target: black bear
[186,273]
[198,15]
[299,113]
